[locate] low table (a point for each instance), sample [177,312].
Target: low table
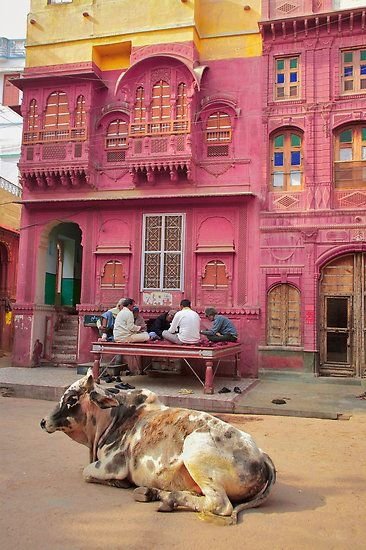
[210,355]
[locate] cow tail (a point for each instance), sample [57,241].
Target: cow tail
[262,495]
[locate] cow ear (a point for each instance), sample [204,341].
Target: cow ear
[88,381]
[103,401]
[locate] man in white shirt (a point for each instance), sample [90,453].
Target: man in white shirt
[125,329]
[185,327]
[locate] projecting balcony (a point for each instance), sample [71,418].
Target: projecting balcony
[48,136]
[159,128]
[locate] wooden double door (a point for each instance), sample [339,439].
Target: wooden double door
[342,317]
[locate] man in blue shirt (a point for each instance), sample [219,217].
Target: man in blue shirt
[222,329]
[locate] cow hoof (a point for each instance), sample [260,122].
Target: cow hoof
[144,494]
[165,507]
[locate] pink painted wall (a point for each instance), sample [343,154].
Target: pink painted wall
[302,230]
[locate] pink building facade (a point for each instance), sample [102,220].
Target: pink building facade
[143,183]
[312,221]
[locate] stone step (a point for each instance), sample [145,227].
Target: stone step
[64,338]
[60,357]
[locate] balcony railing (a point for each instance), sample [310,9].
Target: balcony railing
[218,136]
[119,142]
[51,136]
[350,174]
[10,187]
[159,128]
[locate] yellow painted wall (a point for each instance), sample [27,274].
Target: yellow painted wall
[61,34]
[9,212]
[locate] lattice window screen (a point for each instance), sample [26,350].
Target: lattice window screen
[163,248]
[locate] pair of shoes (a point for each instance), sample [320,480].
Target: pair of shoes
[123,386]
[362,396]
[112,390]
[224,390]
[237,389]
[118,379]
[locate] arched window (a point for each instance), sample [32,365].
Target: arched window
[350,157]
[215,276]
[286,160]
[116,140]
[116,134]
[80,112]
[112,275]
[181,122]
[33,116]
[30,133]
[218,134]
[283,316]
[160,108]
[139,112]
[57,117]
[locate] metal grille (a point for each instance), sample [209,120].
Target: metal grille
[78,150]
[50,152]
[137,146]
[30,153]
[116,156]
[163,251]
[159,145]
[180,143]
[218,151]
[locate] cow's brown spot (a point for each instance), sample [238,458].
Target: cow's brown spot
[229,433]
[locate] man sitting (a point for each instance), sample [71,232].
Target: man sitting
[222,329]
[138,318]
[185,327]
[106,323]
[160,324]
[125,329]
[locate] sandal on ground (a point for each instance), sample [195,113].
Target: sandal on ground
[184,391]
[237,389]
[224,390]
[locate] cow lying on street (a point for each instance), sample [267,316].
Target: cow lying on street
[177,456]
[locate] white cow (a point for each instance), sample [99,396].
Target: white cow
[177,456]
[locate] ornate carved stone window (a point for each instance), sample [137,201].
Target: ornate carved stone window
[80,114]
[163,252]
[139,113]
[353,71]
[286,161]
[215,276]
[283,316]
[160,108]
[287,78]
[218,134]
[113,275]
[350,157]
[57,118]
[31,127]
[181,122]
[116,140]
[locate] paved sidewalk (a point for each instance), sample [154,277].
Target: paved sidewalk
[296,395]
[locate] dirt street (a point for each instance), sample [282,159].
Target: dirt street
[318,502]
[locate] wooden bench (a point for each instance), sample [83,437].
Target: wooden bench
[209,354]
